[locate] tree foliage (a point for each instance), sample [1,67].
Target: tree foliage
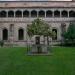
[69,35]
[38,27]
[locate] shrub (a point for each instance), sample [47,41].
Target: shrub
[69,35]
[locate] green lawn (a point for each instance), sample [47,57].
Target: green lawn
[14,61]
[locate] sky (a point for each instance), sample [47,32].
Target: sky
[35,0]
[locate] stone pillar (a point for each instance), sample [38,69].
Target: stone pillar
[68,14]
[11,34]
[37,14]
[22,14]
[14,13]
[45,14]
[60,14]
[7,14]
[53,13]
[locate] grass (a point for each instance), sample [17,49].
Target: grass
[14,61]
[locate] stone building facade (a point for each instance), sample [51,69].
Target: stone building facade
[15,16]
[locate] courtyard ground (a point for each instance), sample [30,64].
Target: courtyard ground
[15,61]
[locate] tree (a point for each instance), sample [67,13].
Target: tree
[39,27]
[69,35]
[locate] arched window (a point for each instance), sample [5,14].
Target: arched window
[33,13]
[64,13]
[21,34]
[3,14]
[56,13]
[54,32]
[5,34]
[10,13]
[48,13]
[26,13]
[41,13]
[71,13]
[18,13]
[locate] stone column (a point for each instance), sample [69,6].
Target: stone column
[68,14]
[60,14]
[11,34]
[37,14]
[22,14]
[53,13]
[45,14]
[14,14]
[6,13]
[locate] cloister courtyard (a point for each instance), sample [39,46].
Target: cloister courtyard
[15,61]
[37,37]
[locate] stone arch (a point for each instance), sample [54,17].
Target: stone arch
[56,13]
[18,13]
[71,13]
[26,13]
[33,13]
[49,13]
[41,13]
[21,34]
[3,14]
[5,34]
[10,13]
[64,13]
[54,32]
